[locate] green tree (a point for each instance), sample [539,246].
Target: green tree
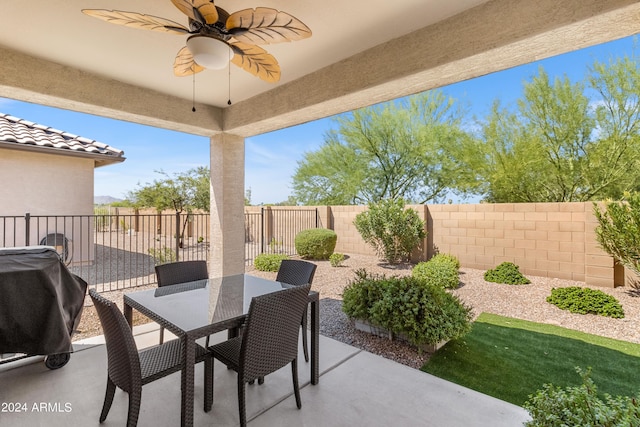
[618,119]
[391,151]
[122,204]
[185,191]
[618,230]
[561,145]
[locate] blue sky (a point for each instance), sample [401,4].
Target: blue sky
[271,158]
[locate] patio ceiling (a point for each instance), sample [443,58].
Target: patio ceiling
[361,52]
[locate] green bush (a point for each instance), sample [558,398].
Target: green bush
[507,273]
[441,270]
[424,313]
[268,262]
[336,259]
[580,406]
[448,258]
[586,301]
[394,232]
[618,232]
[316,243]
[163,255]
[361,293]
[275,246]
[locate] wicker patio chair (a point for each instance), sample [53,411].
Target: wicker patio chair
[269,341]
[129,369]
[297,272]
[180,272]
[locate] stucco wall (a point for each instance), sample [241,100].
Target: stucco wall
[46,184]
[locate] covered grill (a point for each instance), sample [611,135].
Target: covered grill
[40,303]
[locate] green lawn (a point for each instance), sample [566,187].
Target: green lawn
[511,359]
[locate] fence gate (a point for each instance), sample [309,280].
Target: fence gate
[273,231]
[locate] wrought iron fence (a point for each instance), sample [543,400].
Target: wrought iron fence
[111,250]
[273,230]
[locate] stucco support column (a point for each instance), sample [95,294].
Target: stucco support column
[226,253]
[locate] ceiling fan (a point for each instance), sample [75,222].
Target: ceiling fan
[217,37]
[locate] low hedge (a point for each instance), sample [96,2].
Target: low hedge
[425,313]
[268,262]
[316,243]
[441,270]
[506,273]
[586,301]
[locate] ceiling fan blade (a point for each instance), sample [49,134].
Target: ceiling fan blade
[207,9]
[203,11]
[137,20]
[256,61]
[184,65]
[186,7]
[264,25]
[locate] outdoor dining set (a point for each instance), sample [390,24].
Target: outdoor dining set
[263,319]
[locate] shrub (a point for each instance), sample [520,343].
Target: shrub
[390,229]
[441,270]
[425,313]
[316,243]
[618,232]
[163,255]
[268,262]
[449,258]
[507,273]
[580,406]
[275,245]
[336,259]
[586,301]
[360,294]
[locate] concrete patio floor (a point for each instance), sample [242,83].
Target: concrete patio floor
[356,388]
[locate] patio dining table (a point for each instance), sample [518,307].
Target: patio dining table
[198,309]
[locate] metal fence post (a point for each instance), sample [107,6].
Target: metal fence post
[27,229]
[177,236]
[261,230]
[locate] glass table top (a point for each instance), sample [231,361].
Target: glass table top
[194,305]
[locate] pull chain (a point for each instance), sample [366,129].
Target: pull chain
[193,108]
[229,101]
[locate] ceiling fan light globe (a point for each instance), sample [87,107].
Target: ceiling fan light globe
[208,52]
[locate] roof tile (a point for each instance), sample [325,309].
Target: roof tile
[24,132]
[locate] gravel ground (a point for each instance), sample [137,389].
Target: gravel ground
[523,302]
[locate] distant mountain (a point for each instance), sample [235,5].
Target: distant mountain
[104,200]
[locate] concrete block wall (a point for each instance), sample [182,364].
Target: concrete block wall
[349,240]
[544,239]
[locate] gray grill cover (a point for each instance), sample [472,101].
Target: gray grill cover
[40,301]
